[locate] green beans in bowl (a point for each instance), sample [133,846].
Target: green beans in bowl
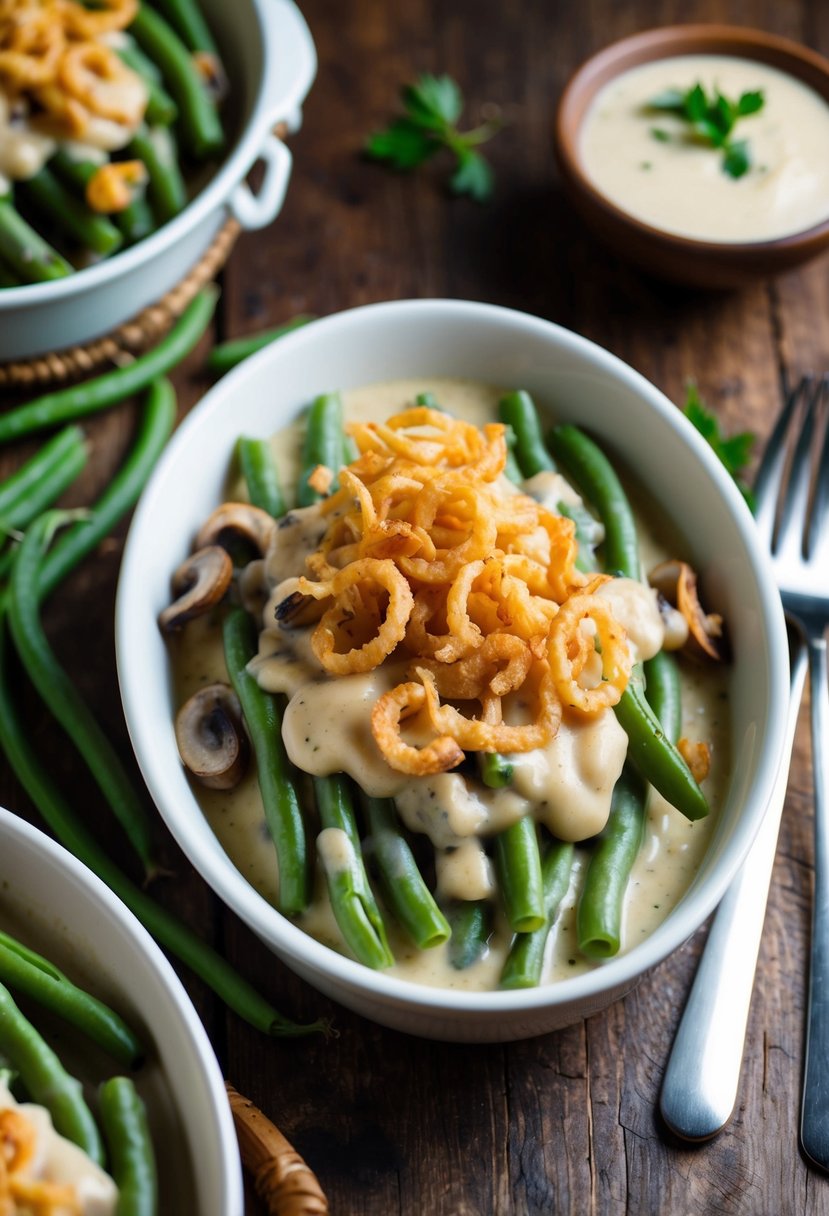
[110,1094]
[128,138]
[448,896]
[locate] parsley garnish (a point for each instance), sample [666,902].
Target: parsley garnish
[712,120]
[433,106]
[733,452]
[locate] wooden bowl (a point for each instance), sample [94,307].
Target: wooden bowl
[683,259]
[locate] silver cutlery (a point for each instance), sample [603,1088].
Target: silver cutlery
[700,1084]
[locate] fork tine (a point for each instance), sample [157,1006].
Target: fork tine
[818,538]
[794,508]
[769,479]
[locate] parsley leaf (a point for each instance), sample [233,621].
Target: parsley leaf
[433,105]
[712,120]
[734,452]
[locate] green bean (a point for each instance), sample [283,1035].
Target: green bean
[525,961]
[428,400]
[351,898]
[517,409]
[74,543]
[655,757]
[198,117]
[409,899]
[132,1160]
[323,443]
[259,471]
[599,916]
[37,978]
[187,19]
[72,170]
[664,692]
[51,485]
[17,488]
[76,401]
[280,799]
[511,469]
[470,921]
[59,205]
[496,770]
[161,110]
[63,699]
[228,354]
[134,222]
[518,862]
[596,479]
[166,188]
[31,258]
[46,1080]
[70,830]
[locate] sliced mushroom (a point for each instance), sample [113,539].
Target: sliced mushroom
[198,584]
[235,521]
[211,737]
[677,582]
[294,609]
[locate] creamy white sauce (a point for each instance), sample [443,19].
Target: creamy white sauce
[57,1160]
[569,784]
[677,183]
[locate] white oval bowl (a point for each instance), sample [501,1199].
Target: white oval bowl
[59,906]
[579,382]
[271,62]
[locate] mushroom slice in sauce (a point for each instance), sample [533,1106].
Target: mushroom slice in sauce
[238,521]
[198,584]
[677,582]
[211,737]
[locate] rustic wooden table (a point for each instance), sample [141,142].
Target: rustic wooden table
[569,1122]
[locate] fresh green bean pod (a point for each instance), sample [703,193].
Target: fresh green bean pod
[496,770]
[60,206]
[470,921]
[63,699]
[323,443]
[132,1158]
[525,961]
[161,109]
[17,489]
[187,19]
[280,799]
[24,250]
[518,862]
[518,411]
[228,354]
[198,117]
[46,1080]
[404,889]
[663,691]
[166,187]
[428,400]
[77,401]
[511,469]
[655,757]
[595,478]
[72,170]
[136,221]
[54,481]
[25,971]
[70,830]
[351,897]
[257,465]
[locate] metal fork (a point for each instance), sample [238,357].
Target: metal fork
[700,1084]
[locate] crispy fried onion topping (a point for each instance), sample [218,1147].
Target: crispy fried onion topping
[19,1191]
[430,554]
[56,65]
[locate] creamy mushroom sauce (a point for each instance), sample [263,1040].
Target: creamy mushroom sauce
[677,183]
[326,730]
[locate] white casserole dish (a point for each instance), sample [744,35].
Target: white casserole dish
[581,383]
[59,907]
[271,62]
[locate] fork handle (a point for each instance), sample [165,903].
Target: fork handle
[814,1127]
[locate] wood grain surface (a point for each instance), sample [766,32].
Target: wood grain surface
[567,1123]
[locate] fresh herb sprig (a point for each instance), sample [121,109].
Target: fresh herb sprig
[433,105]
[712,119]
[734,452]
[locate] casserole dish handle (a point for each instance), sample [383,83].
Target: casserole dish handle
[257,210]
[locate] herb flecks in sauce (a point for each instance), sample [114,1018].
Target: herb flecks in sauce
[712,120]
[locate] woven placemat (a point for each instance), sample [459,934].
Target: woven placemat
[135,335]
